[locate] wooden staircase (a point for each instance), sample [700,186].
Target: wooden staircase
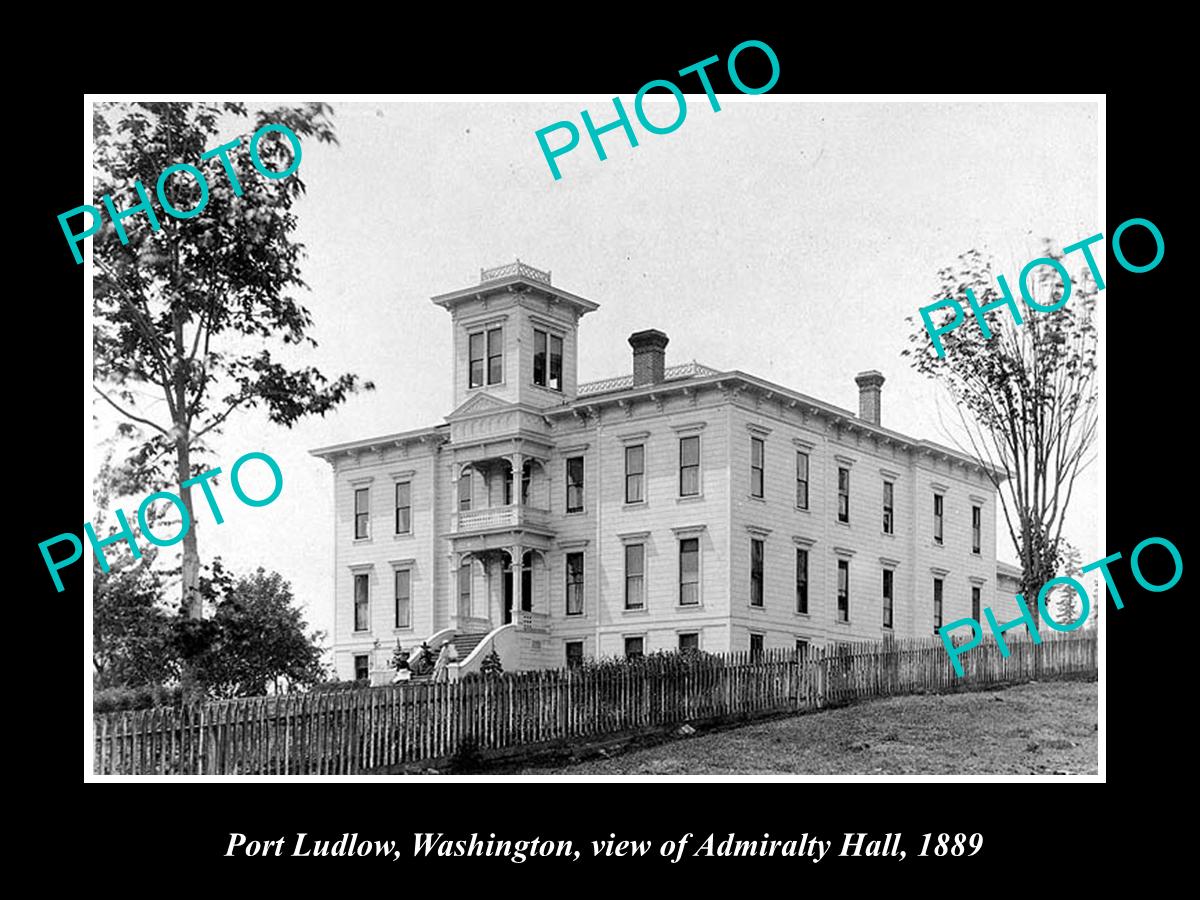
[465,644]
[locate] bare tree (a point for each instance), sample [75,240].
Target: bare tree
[1025,399]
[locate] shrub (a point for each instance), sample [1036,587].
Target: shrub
[329,686]
[147,696]
[658,662]
[491,666]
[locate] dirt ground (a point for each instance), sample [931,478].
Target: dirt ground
[1038,728]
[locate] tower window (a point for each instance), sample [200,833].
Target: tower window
[475,360]
[495,356]
[547,360]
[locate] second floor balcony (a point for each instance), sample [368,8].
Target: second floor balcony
[500,494]
[514,515]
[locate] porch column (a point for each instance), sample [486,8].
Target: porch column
[518,554]
[517,460]
[489,567]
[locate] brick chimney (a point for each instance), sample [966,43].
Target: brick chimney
[649,356]
[870,386]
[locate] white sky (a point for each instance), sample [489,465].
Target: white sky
[786,239]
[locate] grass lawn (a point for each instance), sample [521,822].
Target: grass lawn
[1042,728]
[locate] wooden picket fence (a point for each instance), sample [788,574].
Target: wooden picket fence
[402,726]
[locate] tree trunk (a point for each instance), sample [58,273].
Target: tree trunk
[192,601]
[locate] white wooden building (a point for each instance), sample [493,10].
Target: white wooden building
[667,507]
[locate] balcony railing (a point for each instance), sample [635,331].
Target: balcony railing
[527,620]
[517,269]
[513,516]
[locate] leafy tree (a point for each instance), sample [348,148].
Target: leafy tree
[186,316]
[255,637]
[1025,399]
[132,642]
[131,632]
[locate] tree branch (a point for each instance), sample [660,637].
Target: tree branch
[127,414]
[219,419]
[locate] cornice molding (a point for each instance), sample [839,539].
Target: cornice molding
[632,537]
[632,437]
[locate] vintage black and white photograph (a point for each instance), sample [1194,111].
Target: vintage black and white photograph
[474,437]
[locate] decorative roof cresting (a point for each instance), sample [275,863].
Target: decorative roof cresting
[691,369]
[514,270]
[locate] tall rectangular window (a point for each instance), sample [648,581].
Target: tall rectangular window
[801,580]
[635,576]
[362,667]
[976,529]
[539,357]
[843,589]
[464,491]
[574,584]
[889,597]
[495,356]
[756,467]
[889,493]
[756,572]
[475,360]
[937,604]
[689,571]
[975,603]
[689,466]
[574,654]
[802,649]
[464,589]
[756,645]
[362,513]
[635,465]
[362,603]
[843,495]
[556,348]
[801,480]
[634,647]
[403,598]
[575,484]
[689,642]
[403,507]
[938,506]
